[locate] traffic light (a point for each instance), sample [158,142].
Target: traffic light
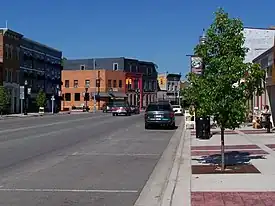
[87,97]
[97,83]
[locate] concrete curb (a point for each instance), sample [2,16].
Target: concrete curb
[33,115]
[180,179]
[153,191]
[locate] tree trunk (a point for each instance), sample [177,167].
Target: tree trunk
[222,150]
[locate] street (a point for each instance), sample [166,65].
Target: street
[85,159]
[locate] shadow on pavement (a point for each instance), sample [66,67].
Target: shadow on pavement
[163,128]
[231,158]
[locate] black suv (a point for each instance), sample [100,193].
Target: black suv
[159,114]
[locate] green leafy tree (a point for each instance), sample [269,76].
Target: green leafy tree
[63,60]
[227,82]
[4,99]
[41,99]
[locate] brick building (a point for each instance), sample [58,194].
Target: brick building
[142,75]
[10,58]
[26,60]
[112,86]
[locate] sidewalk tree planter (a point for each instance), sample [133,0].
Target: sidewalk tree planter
[4,100]
[227,82]
[41,100]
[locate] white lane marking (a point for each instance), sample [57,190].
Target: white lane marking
[65,190]
[113,154]
[50,124]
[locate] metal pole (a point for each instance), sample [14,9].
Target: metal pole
[22,106]
[25,99]
[98,88]
[52,105]
[94,103]
[179,97]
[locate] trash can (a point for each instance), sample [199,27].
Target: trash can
[203,128]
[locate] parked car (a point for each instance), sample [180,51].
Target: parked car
[121,109]
[107,108]
[135,109]
[159,114]
[177,110]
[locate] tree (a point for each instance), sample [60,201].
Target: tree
[63,61]
[4,99]
[227,82]
[41,99]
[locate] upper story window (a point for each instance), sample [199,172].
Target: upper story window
[77,97]
[67,83]
[149,71]
[115,66]
[87,83]
[75,83]
[6,75]
[131,68]
[82,67]
[10,75]
[17,76]
[150,85]
[135,83]
[17,53]
[67,96]
[109,83]
[120,83]
[114,84]
[11,52]
[7,51]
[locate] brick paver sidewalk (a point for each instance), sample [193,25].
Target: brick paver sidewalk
[244,147]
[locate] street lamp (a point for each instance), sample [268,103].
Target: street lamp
[86,96]
[25,97]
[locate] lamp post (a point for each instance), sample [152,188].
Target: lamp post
[58,98]
[86,97]
[98,87]
[25,97]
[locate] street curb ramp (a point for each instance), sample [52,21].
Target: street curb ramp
[161,189]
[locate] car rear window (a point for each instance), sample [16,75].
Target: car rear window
[159,107]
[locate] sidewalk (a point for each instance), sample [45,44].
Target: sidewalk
[186,173]
[253,183]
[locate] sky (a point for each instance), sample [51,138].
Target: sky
[161,31]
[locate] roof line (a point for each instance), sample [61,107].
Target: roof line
[40,44]
[263,54]
[260,28]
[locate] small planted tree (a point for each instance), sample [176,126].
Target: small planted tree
[41,99]
[4,99]
[227,82]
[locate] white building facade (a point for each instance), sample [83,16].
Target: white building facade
[259,41]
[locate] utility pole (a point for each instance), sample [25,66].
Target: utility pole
[98,87]
[94,66]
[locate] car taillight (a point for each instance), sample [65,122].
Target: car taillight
[172,114]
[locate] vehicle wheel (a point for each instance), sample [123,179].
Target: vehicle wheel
[172,126]
[114,114]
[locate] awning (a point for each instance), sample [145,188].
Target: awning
[101,94]
[118,94]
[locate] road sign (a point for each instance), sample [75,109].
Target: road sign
[22,92]
[52,98]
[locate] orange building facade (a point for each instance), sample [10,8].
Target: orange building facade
[77,82]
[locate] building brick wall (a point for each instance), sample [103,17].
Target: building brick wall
[81,76]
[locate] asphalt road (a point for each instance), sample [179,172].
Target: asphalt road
[87,159]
